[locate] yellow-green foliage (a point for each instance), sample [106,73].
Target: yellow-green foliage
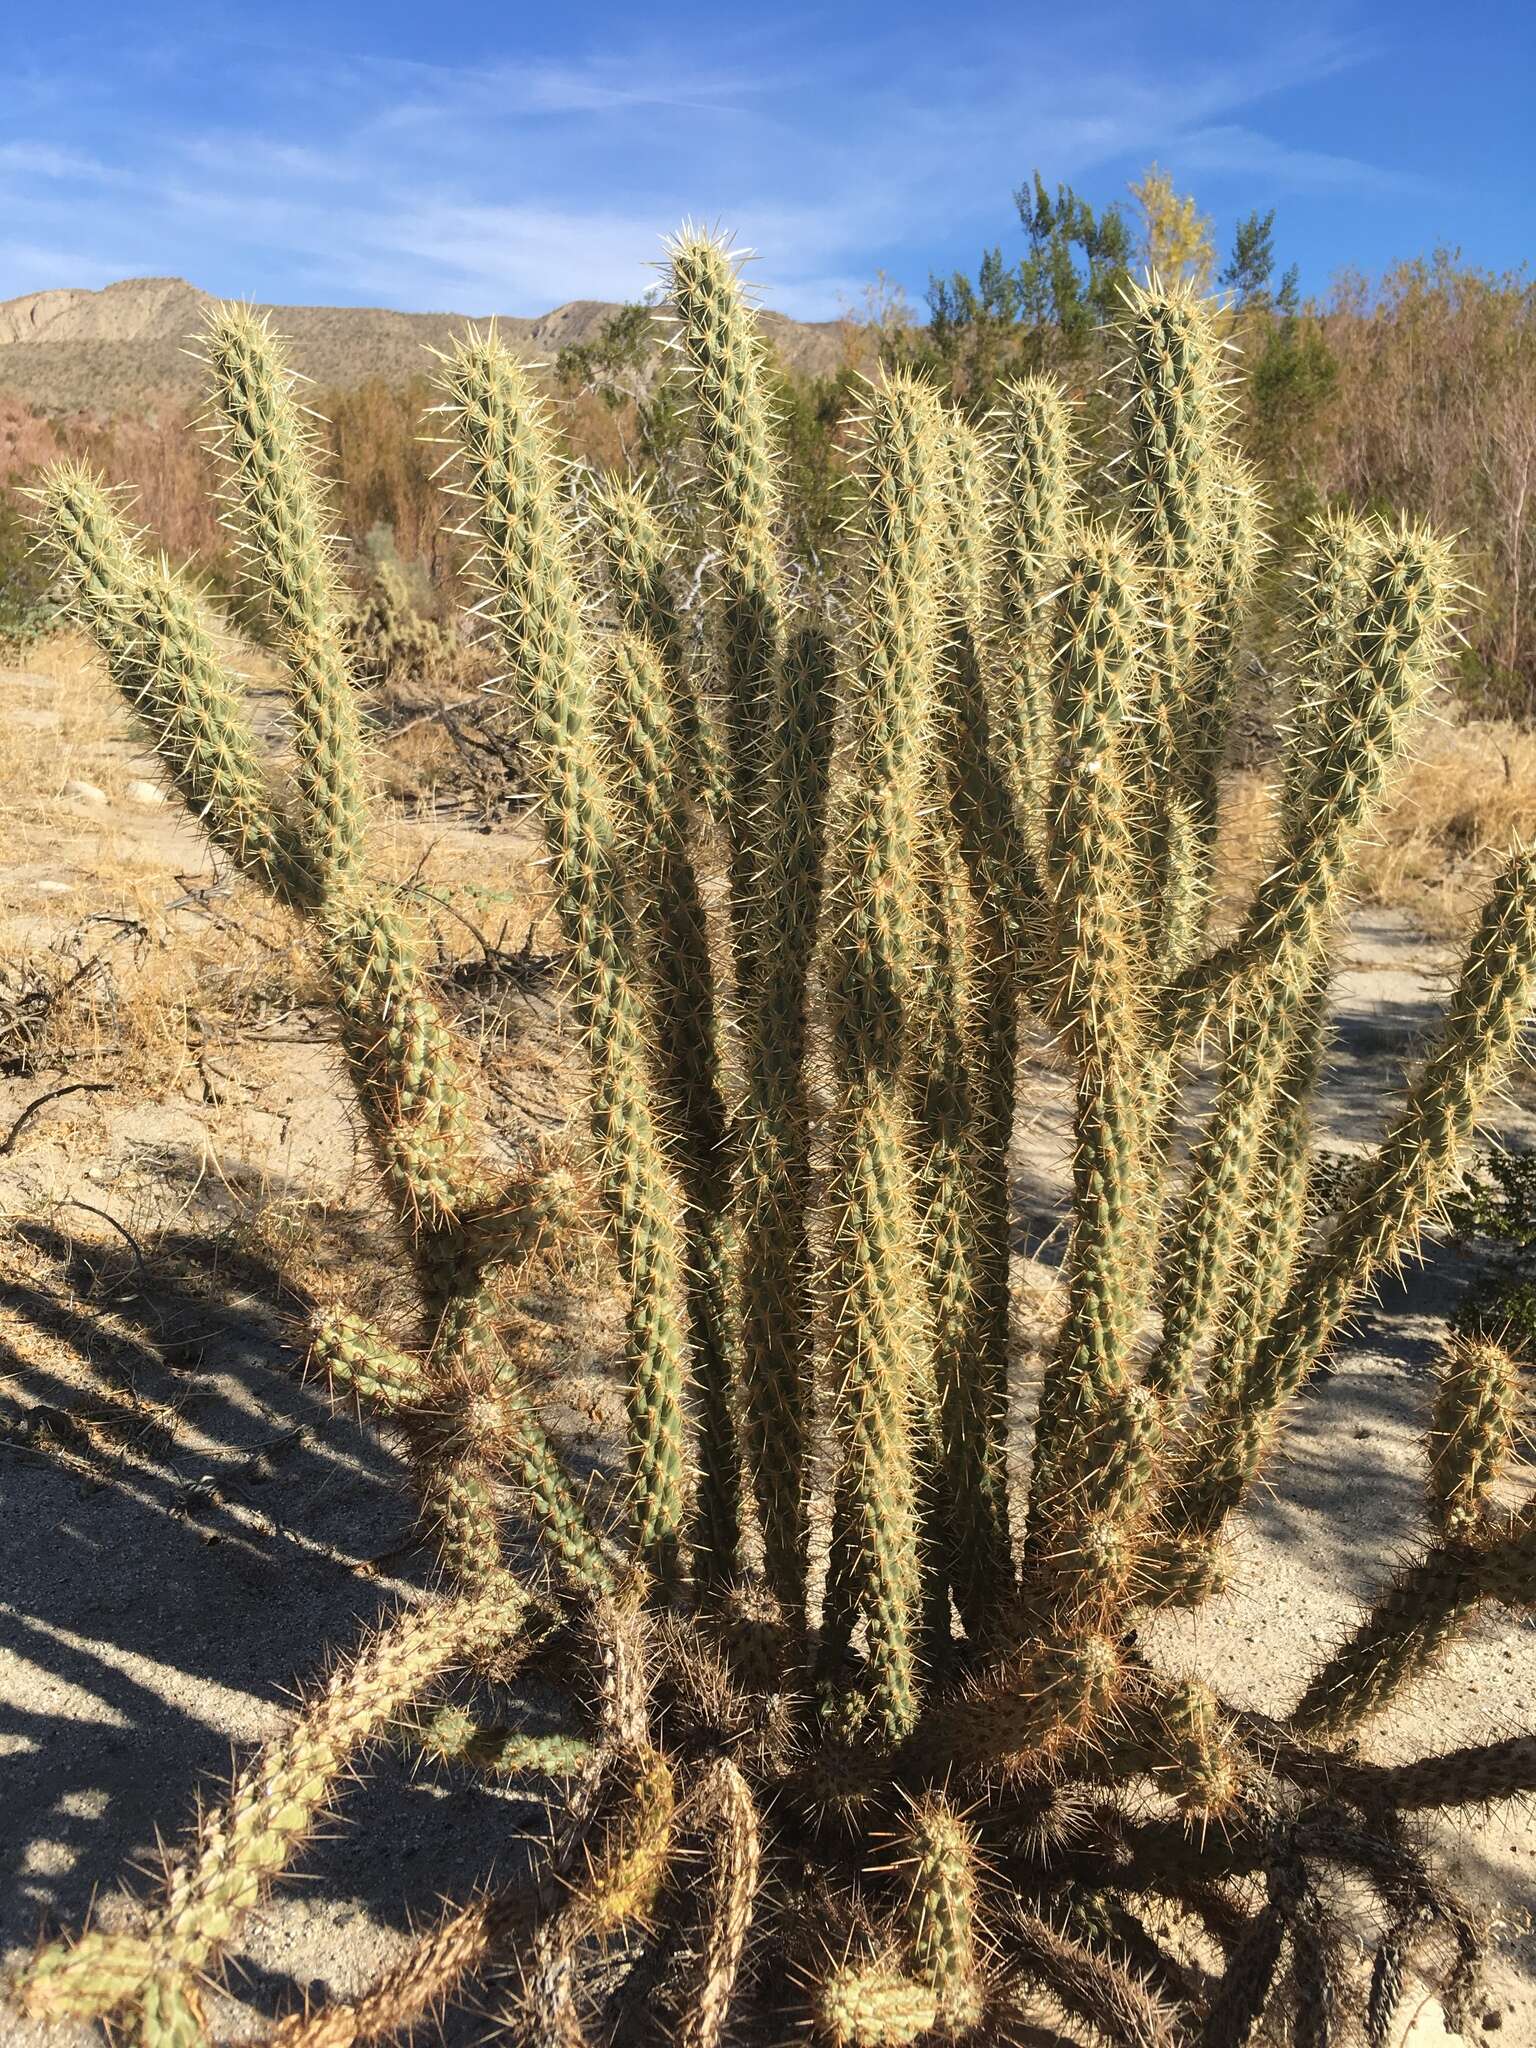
[832,1638]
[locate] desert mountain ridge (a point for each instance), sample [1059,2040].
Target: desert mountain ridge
[125,347]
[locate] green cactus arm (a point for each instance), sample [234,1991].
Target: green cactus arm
[1391,1202]
[724,367]
[939,1850]
[973,712]
[161,655]
[1178,1733]
[1355,692]
[400,1057]
[1173,418]
[625,1868]
[488,1425]
[467,1416]
[734,1872]
[1390,663]
[1095,671]
[648,755]
[1234,549]
[873,2005]
[528,1215]
[1471,1432]
[986,797]
[1004,891]
[876,1358]
[637,555]
[774,1256]
[355,1355]
[278,513]
[243,1843]
[1276,1217]
[1036,460]
[969,1418]
[1331,584]
[510,481]
[453,1736]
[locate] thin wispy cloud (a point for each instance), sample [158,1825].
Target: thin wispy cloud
[529,177]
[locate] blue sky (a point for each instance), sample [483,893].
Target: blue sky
[495,157]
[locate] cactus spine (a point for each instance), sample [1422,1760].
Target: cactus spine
[977,778]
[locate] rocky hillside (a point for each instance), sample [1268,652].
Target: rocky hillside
[121,349]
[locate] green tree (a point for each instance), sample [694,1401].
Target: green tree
[1043,311]
[1249,272]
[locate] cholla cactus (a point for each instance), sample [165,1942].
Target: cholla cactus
[840,1684]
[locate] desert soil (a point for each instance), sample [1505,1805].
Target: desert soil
[188,1525]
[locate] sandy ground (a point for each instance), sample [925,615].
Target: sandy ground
[187,1525]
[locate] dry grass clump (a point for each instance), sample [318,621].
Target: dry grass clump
[172,1005]
[1468,790]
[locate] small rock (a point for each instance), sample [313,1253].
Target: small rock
[148,793]
[54,888]
[84,792]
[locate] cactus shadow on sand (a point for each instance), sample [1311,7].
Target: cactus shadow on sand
[189,1525]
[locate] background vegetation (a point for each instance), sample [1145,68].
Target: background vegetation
[1415,390]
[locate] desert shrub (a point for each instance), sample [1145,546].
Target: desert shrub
[25,610]
[1493,1215]
[836,1679]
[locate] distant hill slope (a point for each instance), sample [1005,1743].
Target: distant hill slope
[122,348]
